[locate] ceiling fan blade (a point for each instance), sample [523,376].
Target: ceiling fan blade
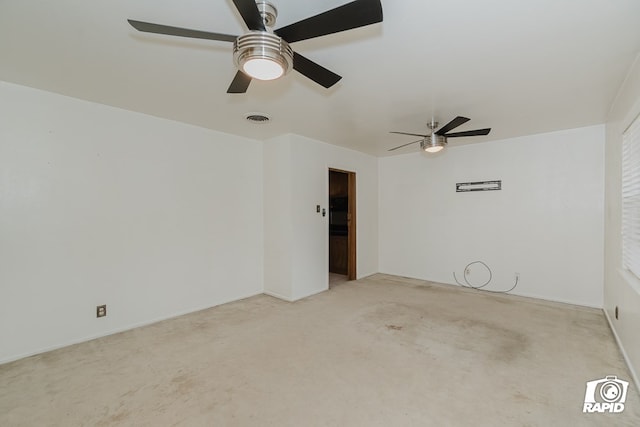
[404,145]
[452,125]
[476,132]
[346,17]
[240,83]
[412,134]
[315,72]
[250,13]
[148,27]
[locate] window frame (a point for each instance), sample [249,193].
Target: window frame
[630,199]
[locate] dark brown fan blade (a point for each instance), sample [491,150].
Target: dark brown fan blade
[250,13]
[315,72]
[412,134]
[240,83]
[346,17]
[452,125]
[148,27]
[404,145]
[476,132]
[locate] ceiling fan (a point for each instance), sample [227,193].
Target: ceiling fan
[263,53]
[438,138]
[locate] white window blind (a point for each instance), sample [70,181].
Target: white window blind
[631,198]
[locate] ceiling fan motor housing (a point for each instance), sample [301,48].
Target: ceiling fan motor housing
[262,45]
[432,141]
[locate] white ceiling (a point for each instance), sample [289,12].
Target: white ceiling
[519,67]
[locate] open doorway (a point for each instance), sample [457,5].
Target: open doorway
[342,226]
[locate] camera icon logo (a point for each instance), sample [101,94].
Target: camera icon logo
[607,394]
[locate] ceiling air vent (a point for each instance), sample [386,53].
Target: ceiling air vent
[257,118]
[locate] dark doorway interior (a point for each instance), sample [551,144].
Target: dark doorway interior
[342,255]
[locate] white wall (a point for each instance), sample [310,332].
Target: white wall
[545,224]
[103,206]
[621,289]
[304,232]
[278,215]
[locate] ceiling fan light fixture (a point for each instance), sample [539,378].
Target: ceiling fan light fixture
[433,143]
[262,55]
[262,69]
[434,149]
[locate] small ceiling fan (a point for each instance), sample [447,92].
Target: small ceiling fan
[263,53]
[438,139]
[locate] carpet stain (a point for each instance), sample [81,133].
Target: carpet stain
[118,417]
[183,383]
[443,333]
[519,397]
[503,344]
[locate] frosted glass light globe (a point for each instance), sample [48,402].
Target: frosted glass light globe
[263,69]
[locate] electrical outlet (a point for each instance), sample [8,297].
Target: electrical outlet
[101,310]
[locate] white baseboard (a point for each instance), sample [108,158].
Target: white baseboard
[597,306]
[311,294]
[634,375]
[122,329]
[288,299]
[277,295]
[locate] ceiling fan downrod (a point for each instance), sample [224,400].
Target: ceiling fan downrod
[268,12]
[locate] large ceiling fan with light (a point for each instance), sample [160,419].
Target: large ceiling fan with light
[263,53]
[436,141]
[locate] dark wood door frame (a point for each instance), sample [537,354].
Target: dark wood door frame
[352,273]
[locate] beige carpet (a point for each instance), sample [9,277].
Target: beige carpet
[337,279]
[382,351]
